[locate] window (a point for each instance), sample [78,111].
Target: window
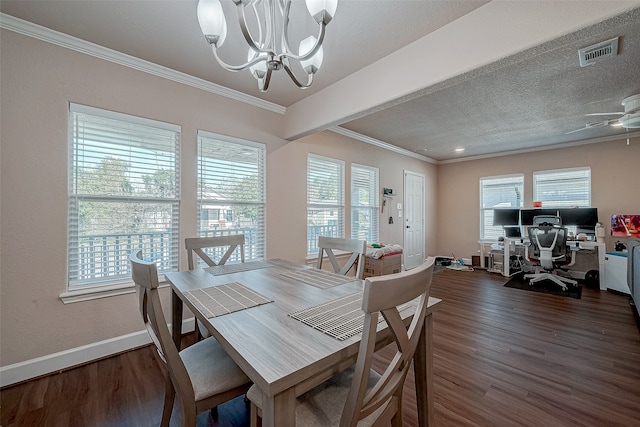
[563,188]
[364,203]
[498,192]
[325,200]
[231,192]
[124,194]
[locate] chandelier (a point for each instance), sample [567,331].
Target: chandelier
[268,46]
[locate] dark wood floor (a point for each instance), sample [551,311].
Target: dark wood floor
[502,357]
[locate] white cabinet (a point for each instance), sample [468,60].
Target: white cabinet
[615,272]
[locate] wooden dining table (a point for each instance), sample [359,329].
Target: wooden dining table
[282,355]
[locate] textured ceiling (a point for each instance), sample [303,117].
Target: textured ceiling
[525,101]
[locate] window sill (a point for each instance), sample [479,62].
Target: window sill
[104,291]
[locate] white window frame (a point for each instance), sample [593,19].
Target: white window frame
[488,231]
[365,179]
[223,173]
[164,154]
[330,168]
[556,178]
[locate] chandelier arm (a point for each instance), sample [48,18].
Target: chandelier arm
[263,84]
[285,29]
[309,54]
[236,67]
[296,81]
[245,31]
[261,35]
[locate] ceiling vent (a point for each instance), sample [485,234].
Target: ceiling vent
[598,52]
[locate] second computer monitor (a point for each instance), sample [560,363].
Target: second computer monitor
[505,216]
[527,215]
[579,216]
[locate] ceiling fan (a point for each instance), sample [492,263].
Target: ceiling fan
[630,117]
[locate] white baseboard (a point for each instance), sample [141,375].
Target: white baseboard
[55,362]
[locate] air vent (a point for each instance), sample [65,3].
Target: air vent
[598,52]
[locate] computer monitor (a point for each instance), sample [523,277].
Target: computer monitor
[527,215]
[512,232]
[506,216]
[579,216]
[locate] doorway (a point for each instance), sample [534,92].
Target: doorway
[414,219]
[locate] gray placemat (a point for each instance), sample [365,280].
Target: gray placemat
[223,299]
[319,278]
[218,270]
[341,318]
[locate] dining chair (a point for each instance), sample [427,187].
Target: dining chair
[202,375]
[357,248]
[199,245]
[359,396]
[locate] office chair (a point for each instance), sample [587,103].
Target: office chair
[548,247]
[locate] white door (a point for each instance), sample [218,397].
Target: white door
[414,220]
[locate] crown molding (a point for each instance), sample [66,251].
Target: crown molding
[381,144]
[619,137]
[390,147]
[39,32]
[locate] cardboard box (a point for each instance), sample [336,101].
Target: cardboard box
[386,265]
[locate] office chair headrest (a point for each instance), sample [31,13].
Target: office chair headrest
[547,221]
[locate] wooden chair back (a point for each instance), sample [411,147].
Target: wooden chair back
[382,295]
[198,244]
[145,277]
[326,245]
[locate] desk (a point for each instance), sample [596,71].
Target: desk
[509,246]
[283,356]
[600,248]
[512,243]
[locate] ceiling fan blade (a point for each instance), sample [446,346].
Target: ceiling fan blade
[593,125]
[577,130]
[621,113]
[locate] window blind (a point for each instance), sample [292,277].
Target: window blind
[365,203]
[325,199]
[563,188]
[498,192]
[124,195]
[231,192]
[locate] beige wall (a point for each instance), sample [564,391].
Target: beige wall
[38,82]
[615,175]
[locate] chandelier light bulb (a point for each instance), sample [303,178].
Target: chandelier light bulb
[212,21]
[322,10]
[311,65]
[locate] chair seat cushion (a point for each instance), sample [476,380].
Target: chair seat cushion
[322,406]
[211,369]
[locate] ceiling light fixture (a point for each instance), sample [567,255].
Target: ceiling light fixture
[263,56]
[459,150]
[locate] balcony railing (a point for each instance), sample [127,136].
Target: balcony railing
[313,231]
[104,257]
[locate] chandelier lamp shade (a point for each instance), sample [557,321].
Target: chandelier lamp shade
[268,45]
